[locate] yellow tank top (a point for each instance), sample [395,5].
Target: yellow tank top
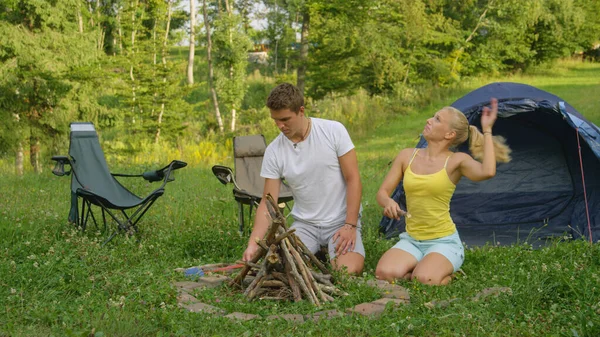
[428,203]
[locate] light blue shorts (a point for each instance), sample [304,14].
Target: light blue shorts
[314,237]
[449,246]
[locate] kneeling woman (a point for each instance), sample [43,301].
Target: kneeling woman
[431,250]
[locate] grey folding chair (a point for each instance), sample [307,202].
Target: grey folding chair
[248,152]
[94,184]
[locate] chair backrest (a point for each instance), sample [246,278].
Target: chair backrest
[90,171]
[248,152]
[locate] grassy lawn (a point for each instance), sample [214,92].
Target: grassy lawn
[55,280]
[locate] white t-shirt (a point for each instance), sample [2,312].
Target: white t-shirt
[312,170]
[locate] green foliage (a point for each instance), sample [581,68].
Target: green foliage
[231,60]
[102,61]
[41,50]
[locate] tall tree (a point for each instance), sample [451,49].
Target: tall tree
[40,47]
[231,46]
[192,41]
[211,83]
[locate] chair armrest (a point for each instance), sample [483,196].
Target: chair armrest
[224,174]
[165,172]
[59,167]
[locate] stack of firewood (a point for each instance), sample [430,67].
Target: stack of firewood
[282,267]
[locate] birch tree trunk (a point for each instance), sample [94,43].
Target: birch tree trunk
[19,159]
[233,110]
[120,32]
[301,72]
[469,38]
[133,33]
[164,63]
[190,67]
[210,68]
[79,18]
[34,153]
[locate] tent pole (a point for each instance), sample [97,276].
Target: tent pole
[587,212]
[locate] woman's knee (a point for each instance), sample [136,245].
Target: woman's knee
[428,278]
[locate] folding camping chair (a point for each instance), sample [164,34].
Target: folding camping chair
[94,184]
[247,183]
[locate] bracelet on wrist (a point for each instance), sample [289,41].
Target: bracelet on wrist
[351,225]
[484,132]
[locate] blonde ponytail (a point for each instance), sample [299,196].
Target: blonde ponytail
[501,150]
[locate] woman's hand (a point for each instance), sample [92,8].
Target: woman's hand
[489,116]
[392,210]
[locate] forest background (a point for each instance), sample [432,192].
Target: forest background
[163,80]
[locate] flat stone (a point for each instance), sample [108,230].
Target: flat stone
[187,286]
[212,281]
[328,314]
[384,301]
[184,298]
[440,304]
[296,318]
[241,316]
[494,291]
[378,283]
[397,292]
[367,309]
[203,307]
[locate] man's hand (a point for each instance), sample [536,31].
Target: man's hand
[344,240]
[250,251]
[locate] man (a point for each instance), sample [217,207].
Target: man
[317,159]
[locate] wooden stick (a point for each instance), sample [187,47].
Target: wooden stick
[297,294]
[303,271]
[284,235]
[250,264]
[238,279]
[312,256]
[273,298]
[273,283]
[332,290]
[281,277]
[294,271]
[323,279]
[262,244]
[257,279]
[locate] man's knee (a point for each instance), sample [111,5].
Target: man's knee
[352,264]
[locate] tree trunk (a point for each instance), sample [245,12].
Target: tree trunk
[301,72]
[133,33]
[462,48]
[233,110]
[120,32]
[100,29]
[190,67]
[164,63]
[19,159]
[34,153]
[210,68]
[79,18]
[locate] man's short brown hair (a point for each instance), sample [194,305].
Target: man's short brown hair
[285,96]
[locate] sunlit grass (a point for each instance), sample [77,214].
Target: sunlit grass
[56,280]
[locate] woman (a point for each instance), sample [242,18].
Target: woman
[430,250]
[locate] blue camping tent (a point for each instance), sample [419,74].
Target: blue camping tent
[540,193]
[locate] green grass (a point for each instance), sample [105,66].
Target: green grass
[55,280]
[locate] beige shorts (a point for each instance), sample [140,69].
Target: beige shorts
[314,237]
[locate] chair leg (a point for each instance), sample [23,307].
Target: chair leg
[241,217]
[104,220]
[81,223]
